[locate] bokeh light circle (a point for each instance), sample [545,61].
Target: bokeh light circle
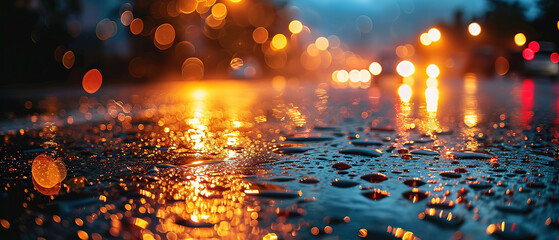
[528,54]
[534,46]
[434,34]
[136,26]
[433,71]
[68,59]
[92,80]
[295,26]
[474,29]
[47,172]
[405,68]
[279,41]
[554,57]
[260,35]
[424,39]
[375,68]
[165,34]
[519,39]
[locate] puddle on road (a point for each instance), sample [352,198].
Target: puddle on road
[239,161]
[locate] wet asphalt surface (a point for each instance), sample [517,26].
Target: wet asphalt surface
[467,159]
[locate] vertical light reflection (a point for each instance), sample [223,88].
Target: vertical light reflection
[403,111]
[431,124]
[208,200]
[471,111]
[432,99]
[470,102]
[321,103]
[198,122]
[527,103]
[374,98]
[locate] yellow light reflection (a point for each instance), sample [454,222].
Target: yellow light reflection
[405,92]
[471,111]
[519,39]
[279,41]
[199,94]
[424,39]
[432,98]
[295,26]
[219,11]
[429,123]
[335,76]
[470,101]
[432,82]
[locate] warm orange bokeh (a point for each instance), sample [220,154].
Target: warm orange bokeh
[136,26]
[187,6]
[47,172]
[219,11]
[68,59]
[279,41]
[295,26]
[192,69]
[260,35]
[165,34]
[46,191]
[92,81]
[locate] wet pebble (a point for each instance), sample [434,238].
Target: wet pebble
[509,231]
[341,166]
[414,182]
[309,180]
[415,195]
[425,152]
[342,183]
[376,194]
[450,174]
[281,179]
[365,143]
[440,203]
[514,208]
[480,185]
[374,177]
[470,155]
[535,184]
[276,194]
[292,150]
[309,139]
[441,218]
[362,152]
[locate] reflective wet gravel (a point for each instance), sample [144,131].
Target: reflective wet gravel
[476,159]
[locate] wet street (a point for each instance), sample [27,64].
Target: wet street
[458,158]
